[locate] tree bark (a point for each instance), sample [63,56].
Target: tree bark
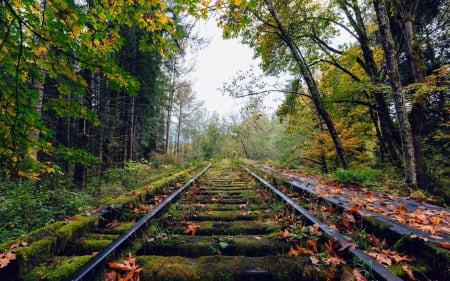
[397,92]
[388,132]
[310,82]
[417,114]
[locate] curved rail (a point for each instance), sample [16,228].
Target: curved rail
[377,268]
[87,268]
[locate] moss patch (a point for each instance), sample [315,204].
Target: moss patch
[57,269]
[231,228]
[230,268]
[196,246]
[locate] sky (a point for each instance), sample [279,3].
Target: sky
[216,64]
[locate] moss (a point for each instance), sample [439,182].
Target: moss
[123,226]
[143,194]
[231,228]
[74,230]
[230,268]
[88,246]
[30,256]
[195,246]
[58,269]
[430,259]
[228,216]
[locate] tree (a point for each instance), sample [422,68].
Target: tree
[269,27]
[67,47]
[399,103]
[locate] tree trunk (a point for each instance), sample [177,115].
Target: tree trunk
[399,104]
[388,132]
[418,109]
[310,82]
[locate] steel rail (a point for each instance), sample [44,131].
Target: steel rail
[376,267]
[393,225]
[88,267]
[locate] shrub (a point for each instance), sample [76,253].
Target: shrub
[365,177]
[25,206]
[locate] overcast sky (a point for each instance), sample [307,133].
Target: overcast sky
[216,64]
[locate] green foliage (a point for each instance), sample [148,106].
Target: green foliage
[58,44]
[25,206]
[364,177]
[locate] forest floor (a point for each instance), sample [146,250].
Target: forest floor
[413,212]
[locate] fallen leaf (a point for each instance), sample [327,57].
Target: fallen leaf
[358,275]
[312,243]
[335,261]
[130,270]
[314,260]
[409,273]
[398,258]
[381,258]
[445,245]
[191,228]
[284,234]
[347,246]
[112,224]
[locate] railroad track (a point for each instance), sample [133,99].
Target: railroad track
[227,223]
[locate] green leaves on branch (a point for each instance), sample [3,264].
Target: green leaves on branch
[55,45]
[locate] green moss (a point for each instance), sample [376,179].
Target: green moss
[58,269]
[74,230]
[195,246]
[88,246]
[230,268]
[430,259]
[30,256]
[229,215]
[118,229]
[231,228]
[374,225]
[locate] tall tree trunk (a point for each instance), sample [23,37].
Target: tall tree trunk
[399,104]
[180,117]
[39,86]
[310,82]
[170,106]
[417,114]
[132,128]
[388,132]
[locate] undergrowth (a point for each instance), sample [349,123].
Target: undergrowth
[364,177]
[27,205]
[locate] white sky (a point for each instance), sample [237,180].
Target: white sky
[216,64]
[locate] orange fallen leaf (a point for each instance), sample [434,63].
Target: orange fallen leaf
[335,261]
[445,245]
[191,228]
[284,234]
[296,250]
[312,243]
[435,220]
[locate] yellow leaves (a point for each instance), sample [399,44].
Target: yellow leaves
[296,250]
[40,52]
